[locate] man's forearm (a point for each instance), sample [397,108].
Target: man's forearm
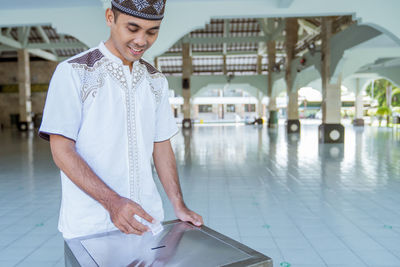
[122,210]
[164,161]
[72,164]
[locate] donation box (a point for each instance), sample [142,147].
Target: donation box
[179,244]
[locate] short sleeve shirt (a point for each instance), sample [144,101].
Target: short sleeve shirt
[114,116]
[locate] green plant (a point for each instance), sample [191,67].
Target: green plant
[396,97]
[396,110]
[371,112]
[379,92]
[351,113]
[382,112]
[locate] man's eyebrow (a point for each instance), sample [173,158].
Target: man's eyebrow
[136,25]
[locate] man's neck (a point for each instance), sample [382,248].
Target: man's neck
[115,52]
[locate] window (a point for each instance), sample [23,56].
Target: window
[250,107]
[230,108]
[205,108]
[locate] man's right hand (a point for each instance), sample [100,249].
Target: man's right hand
[75,167]
[122,211]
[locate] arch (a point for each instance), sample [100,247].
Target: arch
[195,14]
[388,68]
[201,81]
[316,84]
[246,87]
[345,40]
[256,81]
[279,86]
[363,81]
[385,31]
[391,75]
[358,50]
[306,76]
[365,54]
[88,24]
[310,93]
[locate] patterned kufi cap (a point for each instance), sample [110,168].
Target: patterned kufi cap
[145,9]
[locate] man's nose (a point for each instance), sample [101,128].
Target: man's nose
[140,40]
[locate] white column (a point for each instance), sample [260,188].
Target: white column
[359,106]
[330,131]
[293,105]
[272,109]
[259,104]
[292,122]
[186,73]
[332,104]
[24,85]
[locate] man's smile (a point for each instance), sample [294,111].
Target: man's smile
[136,51]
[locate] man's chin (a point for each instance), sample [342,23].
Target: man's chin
[130,59]
[138,57]
[135,58]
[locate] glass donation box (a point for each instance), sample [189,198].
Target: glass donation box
[179,244]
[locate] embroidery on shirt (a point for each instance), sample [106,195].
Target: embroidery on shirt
[137,73]
[157,91]
[138,76]
[88,59]
[150,68]
[116,72]
[155,76]
[89,69]
[90,86]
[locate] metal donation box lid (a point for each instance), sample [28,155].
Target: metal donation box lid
[179,244]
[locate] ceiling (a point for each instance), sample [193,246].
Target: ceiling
[29,4]
[238,46]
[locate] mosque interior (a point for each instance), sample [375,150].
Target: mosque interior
[305,191]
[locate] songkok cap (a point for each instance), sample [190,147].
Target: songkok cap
[144,9]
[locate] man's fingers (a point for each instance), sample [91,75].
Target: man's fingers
[133,223]
[131,229]
[196,219]
[124,217]
[122,228]
[139,226]
[144,215]
[120,225]
[201,219]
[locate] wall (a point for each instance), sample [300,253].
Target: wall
[41,72]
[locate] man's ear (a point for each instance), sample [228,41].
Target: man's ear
[109,17]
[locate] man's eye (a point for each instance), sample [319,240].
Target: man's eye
[132,30]
[152,33]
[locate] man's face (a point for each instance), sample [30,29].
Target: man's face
[131,36]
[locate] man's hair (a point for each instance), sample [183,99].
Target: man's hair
[116,13]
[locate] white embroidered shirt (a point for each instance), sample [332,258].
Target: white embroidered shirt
[114,116]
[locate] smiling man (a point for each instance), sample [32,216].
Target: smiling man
[106,116]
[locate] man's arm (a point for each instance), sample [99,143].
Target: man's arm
[122,210]
[164,161]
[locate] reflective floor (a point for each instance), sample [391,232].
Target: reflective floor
[298,202]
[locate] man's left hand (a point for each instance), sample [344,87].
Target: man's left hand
[187,215]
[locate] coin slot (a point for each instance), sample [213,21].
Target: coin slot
[158,247]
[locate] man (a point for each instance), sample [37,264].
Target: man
[106,114]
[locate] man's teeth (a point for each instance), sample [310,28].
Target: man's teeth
[136,50]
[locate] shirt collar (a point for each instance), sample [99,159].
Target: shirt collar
[103,48]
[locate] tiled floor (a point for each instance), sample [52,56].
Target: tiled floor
[301,203]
